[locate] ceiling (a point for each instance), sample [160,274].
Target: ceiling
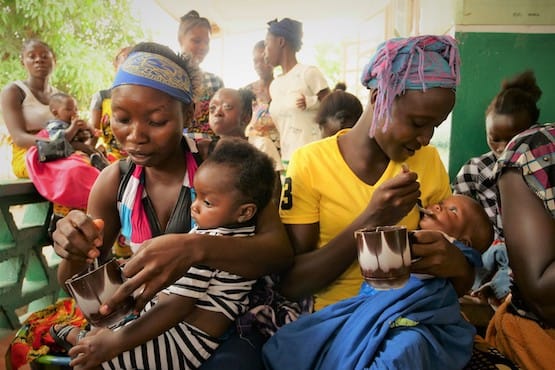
[236,16]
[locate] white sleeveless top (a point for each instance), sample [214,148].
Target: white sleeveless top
[34,112]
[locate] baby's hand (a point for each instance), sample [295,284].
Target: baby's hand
[301,102]
[80,124]
[98,346]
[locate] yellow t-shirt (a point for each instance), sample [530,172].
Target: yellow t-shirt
[320,187]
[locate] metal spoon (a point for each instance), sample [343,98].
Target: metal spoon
[423,210]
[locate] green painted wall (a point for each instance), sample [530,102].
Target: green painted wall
[488,58]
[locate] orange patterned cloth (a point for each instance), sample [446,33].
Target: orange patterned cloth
[34,340]
[522,340]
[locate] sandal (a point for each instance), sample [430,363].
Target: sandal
[60,336]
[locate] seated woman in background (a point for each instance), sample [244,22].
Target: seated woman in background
[25,106]
[523,327]
[513,110]
[25,103]
[230,112]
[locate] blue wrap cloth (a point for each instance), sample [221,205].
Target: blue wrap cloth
[419,326]
[495,273]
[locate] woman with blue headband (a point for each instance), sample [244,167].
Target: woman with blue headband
[358,178]
[149,196]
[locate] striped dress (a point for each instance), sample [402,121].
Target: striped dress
[184,346]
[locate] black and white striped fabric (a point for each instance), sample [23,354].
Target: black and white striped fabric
[184,346]
[216,290]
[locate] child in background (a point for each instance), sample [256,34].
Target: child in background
[337,111]
[262,123]
[513,110]
[230,111]
[75,130]
[400,328]
[231,186]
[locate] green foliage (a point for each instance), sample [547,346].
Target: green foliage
[85,35]
[328,58]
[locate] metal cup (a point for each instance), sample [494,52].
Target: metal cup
[91,288]
[384,256]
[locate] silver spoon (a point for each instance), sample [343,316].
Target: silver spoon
[423,210]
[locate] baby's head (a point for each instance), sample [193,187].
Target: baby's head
[337,111]
[513,110]
[462,218]
[230,111]
[63,107]
[232,184]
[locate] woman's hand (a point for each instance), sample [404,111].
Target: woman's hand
[393,200]
[97,347]
[158,263]
[438,257]
[77,237]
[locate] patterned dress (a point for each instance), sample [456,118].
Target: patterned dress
[533,152]
[261,123]
[476,179]
[101,101]
[210,84]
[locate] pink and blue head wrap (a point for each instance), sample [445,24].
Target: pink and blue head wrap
[414,63]
[158,72]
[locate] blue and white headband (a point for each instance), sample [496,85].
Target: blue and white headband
[156,71]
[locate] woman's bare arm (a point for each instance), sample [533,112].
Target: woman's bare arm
[12,111]
[162,260]
[269,250]
[77,239]
[95,118]
[530,238]
[316,268]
